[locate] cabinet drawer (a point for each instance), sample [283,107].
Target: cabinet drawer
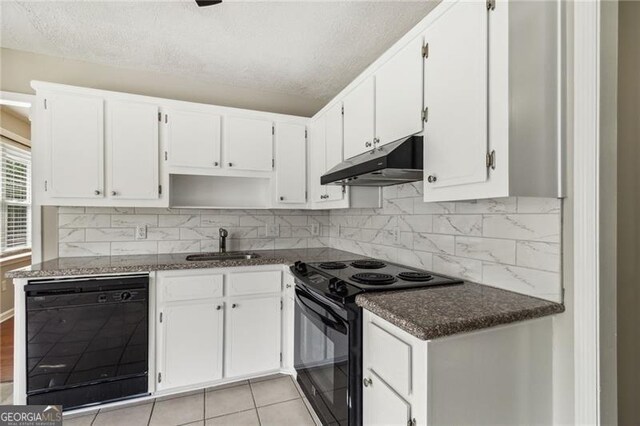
[390,358]
[254,282]
[189,287]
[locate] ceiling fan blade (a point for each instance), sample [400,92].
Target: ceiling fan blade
[202,3]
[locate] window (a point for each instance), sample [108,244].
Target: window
[15,197]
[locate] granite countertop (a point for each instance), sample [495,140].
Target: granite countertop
[429,313]
[69,266]
[425,313]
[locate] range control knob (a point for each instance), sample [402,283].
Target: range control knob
[337,286]
[301,267]
[125,295]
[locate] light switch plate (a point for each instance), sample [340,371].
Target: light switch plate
[141,232]
[272,230]
[315,229]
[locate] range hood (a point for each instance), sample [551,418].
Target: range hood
[391,164]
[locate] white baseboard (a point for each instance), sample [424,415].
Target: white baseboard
[6,315]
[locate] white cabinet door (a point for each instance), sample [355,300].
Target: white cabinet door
[248,144]
[333,148]
[191,343]
[399,94]
[132,150]
[253,335]
[317,159]
[455,76]
[193,139]
[359,119]
[291,158]
[381,405]
[75,133]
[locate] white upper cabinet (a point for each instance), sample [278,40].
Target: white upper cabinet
[132,150]
[455,95]
[359,119]
[399,94]
[193,138]
[248,144]
[74,131]
[333,149]
[290,163]
[317,159]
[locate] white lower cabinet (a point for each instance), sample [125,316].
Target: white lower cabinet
[383,406]
[191,352]
[253,335]
[499,375]
[216,325]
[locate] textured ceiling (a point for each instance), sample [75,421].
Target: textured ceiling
[310,49]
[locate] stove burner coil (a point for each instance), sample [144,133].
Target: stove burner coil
[415,276]
[368,264]
[373,278]
[333,265]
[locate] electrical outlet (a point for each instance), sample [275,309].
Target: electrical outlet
[272,230]
[141,232]
[396,235]
[315,229]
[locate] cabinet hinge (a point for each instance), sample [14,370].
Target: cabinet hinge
[342,110]
[160,316]
[45,104]
[166,118]
[425,50]
[273,163]
[305,133]
[344,189]
[160,117]
[45,186]
[159,377]
[159,189]
[491,160]
[166,156]
[491,4]
[280,304]
[411,422]
[306,195]
[425,114]
[273,130]
[280,356]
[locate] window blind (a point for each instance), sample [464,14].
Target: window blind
[15,197]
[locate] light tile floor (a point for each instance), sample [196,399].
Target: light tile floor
[271,401]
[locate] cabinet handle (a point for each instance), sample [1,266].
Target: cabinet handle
[367,382]
[215,163]
[230,164]
[432,178]
[114,193]
[234,306]
[376,141]
[97,192]
[367,144]
[288,285]
[281,198]
[218,307]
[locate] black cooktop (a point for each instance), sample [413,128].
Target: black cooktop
[345,279]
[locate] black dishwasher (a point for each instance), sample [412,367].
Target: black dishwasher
[87,340]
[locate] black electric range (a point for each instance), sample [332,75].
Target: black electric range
[328,328]
[341,281]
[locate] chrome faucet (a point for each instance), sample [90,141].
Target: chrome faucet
[223,240]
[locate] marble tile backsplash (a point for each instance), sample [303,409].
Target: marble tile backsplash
[99,231]
[512,243]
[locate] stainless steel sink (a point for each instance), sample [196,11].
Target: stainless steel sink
[232,255]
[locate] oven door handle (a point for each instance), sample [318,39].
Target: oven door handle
[337,325]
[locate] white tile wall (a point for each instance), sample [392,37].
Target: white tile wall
[102,231]
[513,243]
